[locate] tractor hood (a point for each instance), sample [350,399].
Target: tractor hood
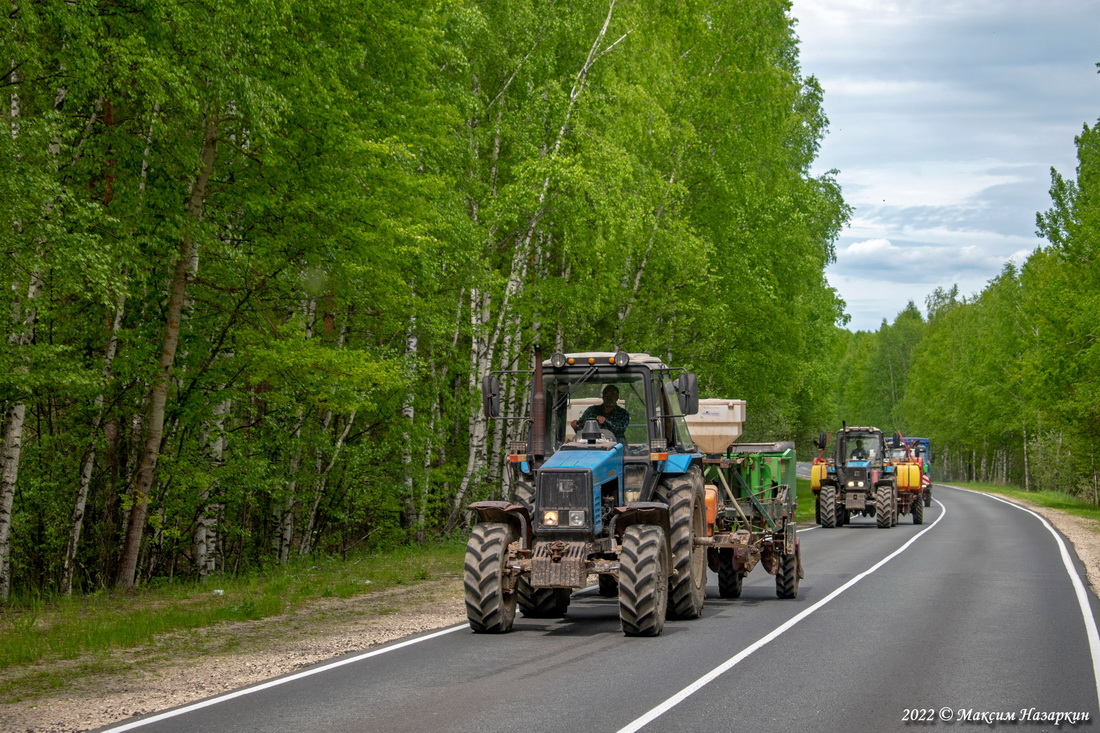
[603,459]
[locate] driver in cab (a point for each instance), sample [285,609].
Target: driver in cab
[858,453]
[608,414]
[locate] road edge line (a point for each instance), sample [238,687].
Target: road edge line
[733,661]
[191,707]
[1074,577]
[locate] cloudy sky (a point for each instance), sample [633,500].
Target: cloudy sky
[945,120]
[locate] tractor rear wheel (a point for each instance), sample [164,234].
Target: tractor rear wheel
[490,606]
[541,602]
[826,502]
[643,580]
[788,573]
[917,508]
[730,579]
[609,585]
[524,495]
[884,507]
[687,520]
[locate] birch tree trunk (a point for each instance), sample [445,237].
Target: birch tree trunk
[143,480]
[319,491]
[205,540]
[76,523]
[521,258]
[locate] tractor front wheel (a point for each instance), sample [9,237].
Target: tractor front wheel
[643,580]
[826,502]
[884,507]
[490,605]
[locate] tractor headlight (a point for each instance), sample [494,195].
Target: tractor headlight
[576,519]
[851,484]
[557,360]
[550,518]
[859,484]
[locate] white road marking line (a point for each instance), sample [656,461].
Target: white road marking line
[1074,578]
[732,662]
[281,680]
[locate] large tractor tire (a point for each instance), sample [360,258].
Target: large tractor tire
[884,507]
[826,503]
[917,508]
[608,585]
[541,602]
[687,520]
[643,580]
[730,579]
[789,573]
[524,495]
[490,608]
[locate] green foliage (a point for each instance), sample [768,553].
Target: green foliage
[401,197]
[1006,384]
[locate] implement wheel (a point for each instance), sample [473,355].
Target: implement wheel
[541,602]
[687,519]
[730,579]
[609,586]
[643,580]
[788,573]
[826,502]
[917,508]
[490,608]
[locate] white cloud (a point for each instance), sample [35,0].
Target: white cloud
[945,119]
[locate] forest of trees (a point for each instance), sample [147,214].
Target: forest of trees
[258,255]
[1006,383]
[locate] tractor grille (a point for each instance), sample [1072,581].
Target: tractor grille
[565,489]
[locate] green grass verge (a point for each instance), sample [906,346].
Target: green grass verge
[805,511]
[35,629]
[1050,499]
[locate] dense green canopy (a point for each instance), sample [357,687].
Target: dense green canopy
[257,255]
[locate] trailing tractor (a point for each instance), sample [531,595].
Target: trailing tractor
[857,480]
[921,448]
[607,482]
[914,485]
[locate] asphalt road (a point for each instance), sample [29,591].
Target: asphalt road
[973,613]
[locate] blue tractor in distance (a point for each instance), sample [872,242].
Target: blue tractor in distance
[606,482]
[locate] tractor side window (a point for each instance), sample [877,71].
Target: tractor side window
[676,430]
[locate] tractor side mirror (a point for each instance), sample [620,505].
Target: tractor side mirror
[490,395]
[687,386]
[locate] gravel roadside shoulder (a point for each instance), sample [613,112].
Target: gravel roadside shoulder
[187,667]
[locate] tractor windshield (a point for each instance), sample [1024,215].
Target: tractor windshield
[616,401]
[857,446]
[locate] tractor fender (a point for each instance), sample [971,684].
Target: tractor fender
[640,512]
[678,463]
[514,515]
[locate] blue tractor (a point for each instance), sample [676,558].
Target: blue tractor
[607,482]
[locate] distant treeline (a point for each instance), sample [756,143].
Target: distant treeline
[258,255]
[1005,383]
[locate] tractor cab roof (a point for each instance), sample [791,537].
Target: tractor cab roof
[602,358]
